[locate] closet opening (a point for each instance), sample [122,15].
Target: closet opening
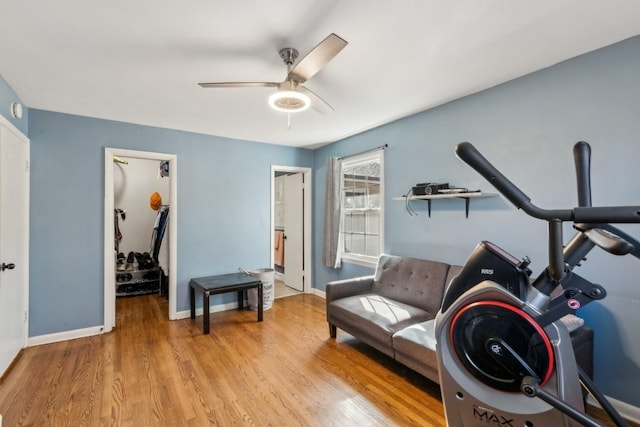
[141,210]
[140,228]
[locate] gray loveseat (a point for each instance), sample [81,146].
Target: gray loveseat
[394,311]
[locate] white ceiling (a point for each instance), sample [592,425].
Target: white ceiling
[139,61]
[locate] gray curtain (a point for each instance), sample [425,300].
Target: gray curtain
[333,196]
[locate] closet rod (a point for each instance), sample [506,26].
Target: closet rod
[382,147]
[119,160]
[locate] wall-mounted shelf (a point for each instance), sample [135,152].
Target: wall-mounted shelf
[466,196]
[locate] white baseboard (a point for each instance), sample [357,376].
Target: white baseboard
[212,309]
[97,330]
[321,294]
[232,305]
[629,412]
[64,336]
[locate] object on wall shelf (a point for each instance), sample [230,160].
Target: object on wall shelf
[117,159]
[466,196]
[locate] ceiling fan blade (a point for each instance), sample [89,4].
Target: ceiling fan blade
[317,103]
[319,56]
[239,84]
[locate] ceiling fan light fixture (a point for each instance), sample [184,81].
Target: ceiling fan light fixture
[289,101]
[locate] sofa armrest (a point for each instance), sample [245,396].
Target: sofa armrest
[348,287]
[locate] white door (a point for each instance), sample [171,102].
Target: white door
[14,238]
[294,231]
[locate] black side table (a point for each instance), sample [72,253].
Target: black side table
[221,284]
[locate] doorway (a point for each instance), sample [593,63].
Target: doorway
[170,160]
[291,229]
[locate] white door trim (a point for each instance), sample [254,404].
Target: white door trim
[109,262]
[307,172]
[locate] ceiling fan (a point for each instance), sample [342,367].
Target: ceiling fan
[291,96]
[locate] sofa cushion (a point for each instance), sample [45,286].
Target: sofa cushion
[411,281]
[374,315]
[415,347]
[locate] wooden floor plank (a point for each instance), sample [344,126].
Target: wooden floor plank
[284,371]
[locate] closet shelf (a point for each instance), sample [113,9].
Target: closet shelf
[466,196]
[141,281]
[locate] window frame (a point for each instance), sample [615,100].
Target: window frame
[360,258]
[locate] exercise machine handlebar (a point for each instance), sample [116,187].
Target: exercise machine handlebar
[584,214]
[582,160]
[470,155]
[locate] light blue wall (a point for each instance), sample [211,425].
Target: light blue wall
[527,128]
[223,217]
[7,96]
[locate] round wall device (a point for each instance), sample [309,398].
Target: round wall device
[16,110]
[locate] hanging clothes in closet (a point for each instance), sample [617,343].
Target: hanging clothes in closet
[157,236]
[117,233]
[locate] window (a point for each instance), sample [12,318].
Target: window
[362,219]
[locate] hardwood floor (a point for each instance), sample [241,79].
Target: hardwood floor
[284,371]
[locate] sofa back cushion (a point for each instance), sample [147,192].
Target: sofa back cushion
[454,271]
[412,281]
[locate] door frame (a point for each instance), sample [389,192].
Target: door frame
[13,129]
[306,220]
[109,261]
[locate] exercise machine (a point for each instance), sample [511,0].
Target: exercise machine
[505,358]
